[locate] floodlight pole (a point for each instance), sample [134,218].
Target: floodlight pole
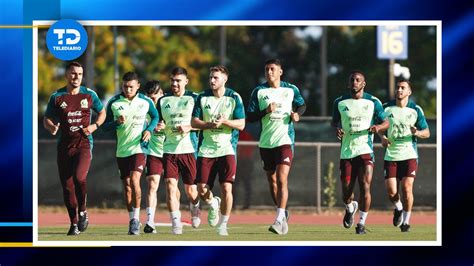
[391,79]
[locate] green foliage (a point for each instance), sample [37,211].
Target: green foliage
[329,191]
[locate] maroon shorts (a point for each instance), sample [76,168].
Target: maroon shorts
[184,164]
[275,156]
[74,162]
[136,162]
[401,169]
[154,165]
[208,168]
[350,168]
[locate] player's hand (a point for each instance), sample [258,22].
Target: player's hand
[218,121]
[183,128]
[374,129]
[385,142]
[146,135]
[295,117]
[413,130]
[89,129]
[339,133]
[161,125]
[54,129]
[121,120]
[271,107]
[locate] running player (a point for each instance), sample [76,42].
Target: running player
[407,123]
[277,105]
[154,159]
[69,113]
[179,148]
[127,113]
[357,116]
[219,113]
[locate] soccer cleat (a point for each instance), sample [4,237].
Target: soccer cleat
[195,213]
[213,214]
[83,221]
[134,227]
[222,230]
[397,217]
[73,230]
[177,229]
[276,228]
[405,228]
[149,229]
[348,220]
[360,229]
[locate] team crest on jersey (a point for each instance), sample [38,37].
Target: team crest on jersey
[366,107]
[84,103]
[63,105]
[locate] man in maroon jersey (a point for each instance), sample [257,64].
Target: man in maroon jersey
[69,113]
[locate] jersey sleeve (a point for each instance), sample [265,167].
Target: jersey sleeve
[153,113]
[421,120]
[109,123]
[379,113]
[336,116]
[97,105]
[239,110]
[197,111]
[298,100]
[51,108]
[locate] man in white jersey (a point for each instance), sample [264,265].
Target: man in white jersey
[176,108]
[277,105]
[154,158]
[407,123]
[219,113]
[357,116]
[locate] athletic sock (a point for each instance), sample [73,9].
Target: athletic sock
[175,218]
[130,215]
[224,220]
[136,213]
[214,204]
[280,215]
[398,205]
[150,215]
[363,217]
[406,217]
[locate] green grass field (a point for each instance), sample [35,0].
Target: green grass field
[244,232]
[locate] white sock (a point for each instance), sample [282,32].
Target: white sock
[150,215]
[280,215]
[224,220]
[130,215]
[398,205]
[136,213]
[406,217]
[363,216]
[214,203]
[175,218]
[350,207]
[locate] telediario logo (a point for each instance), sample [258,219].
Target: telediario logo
[66,39]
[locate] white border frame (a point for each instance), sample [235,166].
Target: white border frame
[436,23]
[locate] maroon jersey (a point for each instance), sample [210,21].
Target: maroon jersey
[73,112]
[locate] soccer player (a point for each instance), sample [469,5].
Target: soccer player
[69,113]
[179,148]
[154,163]
[220,114]
[127,113]
[357,116]
[277,105]
[407,123]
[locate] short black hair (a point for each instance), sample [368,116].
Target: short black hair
[404,80]
[275,61]
[129,76]
[73,64]
[356,71]
[152,87]
[179,71]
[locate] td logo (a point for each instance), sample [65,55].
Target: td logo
[66,39]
